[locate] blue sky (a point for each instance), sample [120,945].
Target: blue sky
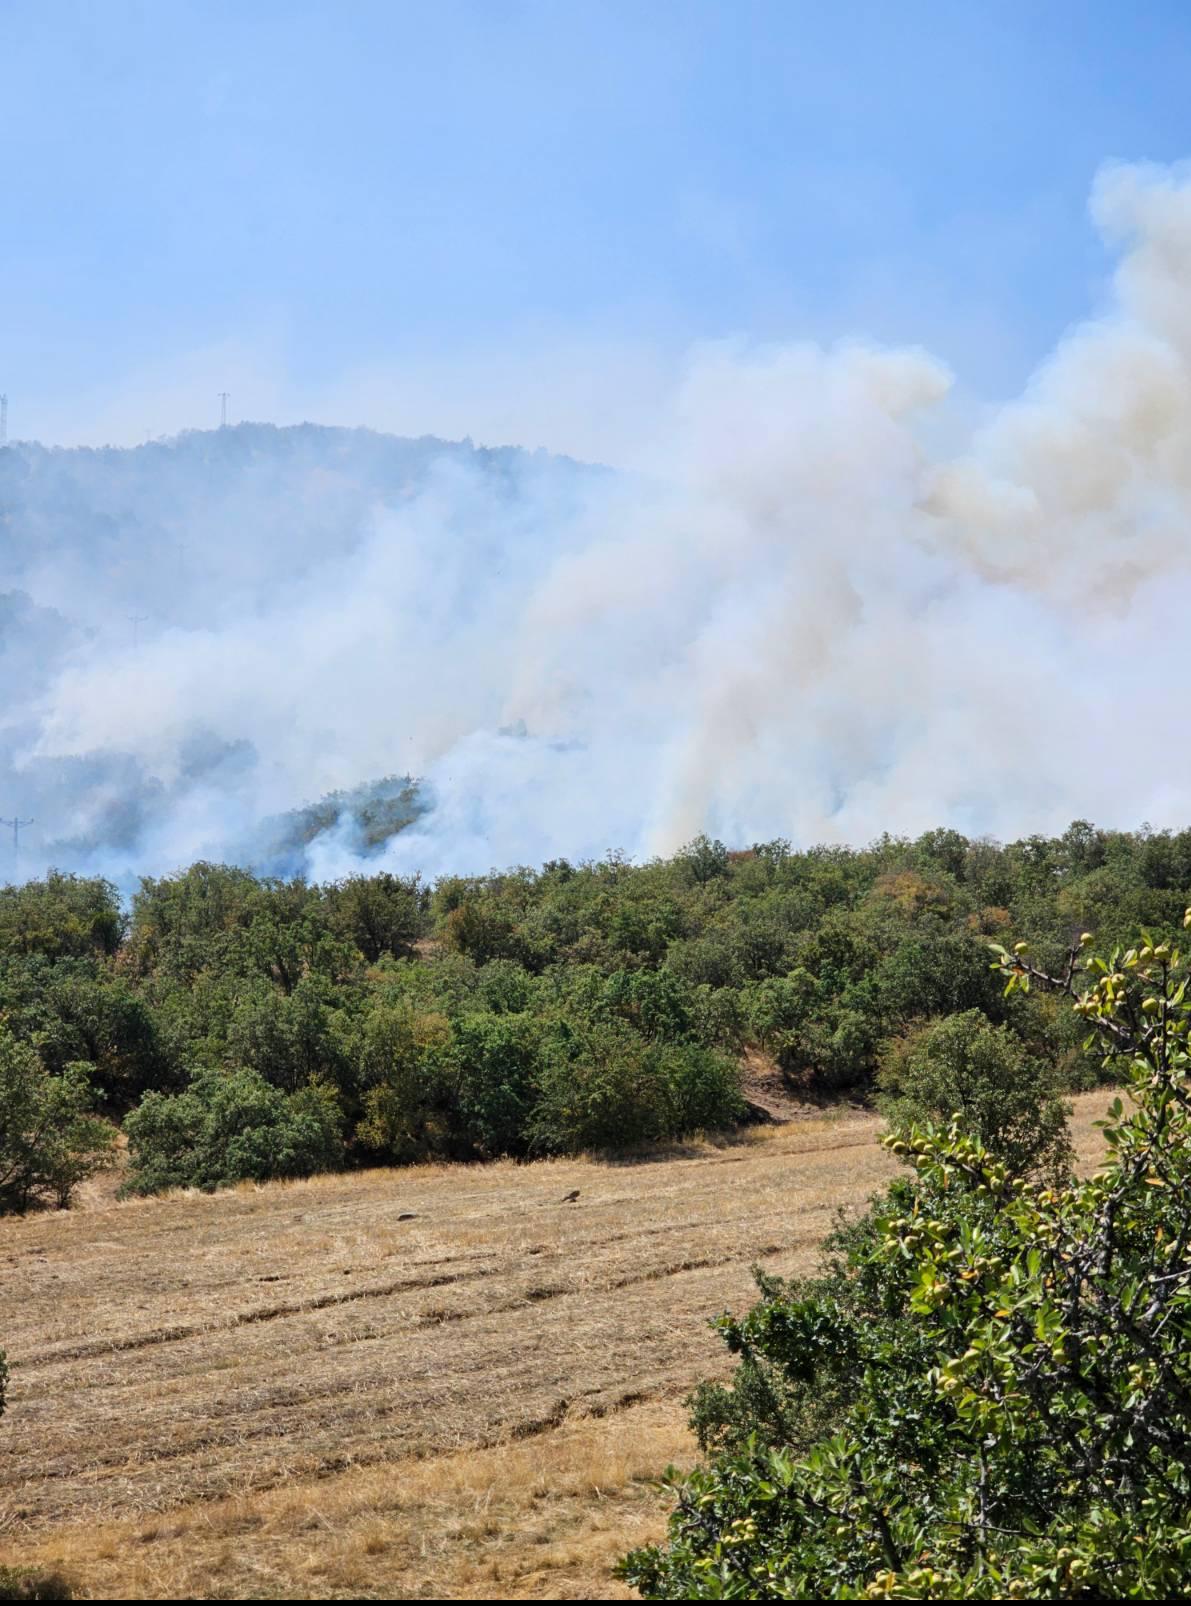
[420,215]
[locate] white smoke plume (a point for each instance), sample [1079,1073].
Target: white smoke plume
[789,618]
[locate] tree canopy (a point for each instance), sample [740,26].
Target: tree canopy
[537,1011]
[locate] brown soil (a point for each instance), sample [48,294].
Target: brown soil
[772,1099]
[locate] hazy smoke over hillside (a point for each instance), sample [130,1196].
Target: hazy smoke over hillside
[791,618]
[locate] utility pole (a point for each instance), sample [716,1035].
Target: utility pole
[3,419]
[137,619]
[223,396]
[17,826]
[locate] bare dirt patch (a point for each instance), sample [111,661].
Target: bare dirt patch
[773,1099]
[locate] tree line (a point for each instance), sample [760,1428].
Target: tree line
[246,1027]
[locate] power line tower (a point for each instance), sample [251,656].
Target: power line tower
[3,419]
[223,396]
[18,826]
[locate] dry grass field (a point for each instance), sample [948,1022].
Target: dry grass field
[292,1391]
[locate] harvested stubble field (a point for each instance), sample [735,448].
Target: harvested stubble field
[288,1391]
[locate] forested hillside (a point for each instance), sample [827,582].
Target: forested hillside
[247,1027]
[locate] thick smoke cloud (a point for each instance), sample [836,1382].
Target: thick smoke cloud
[792,617]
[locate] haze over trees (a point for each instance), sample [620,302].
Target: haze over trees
[165,564]
[777,620]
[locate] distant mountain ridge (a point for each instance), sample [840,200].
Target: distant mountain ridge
[124,568]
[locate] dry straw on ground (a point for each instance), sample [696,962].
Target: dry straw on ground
[288,1391]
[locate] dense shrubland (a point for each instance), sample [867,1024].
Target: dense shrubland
[246,1027]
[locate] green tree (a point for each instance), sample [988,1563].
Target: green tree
[483,929]
[704,859]
[1014,1372]
[180,921]
[232,1127]
[380,914]
[983,1075]
[93,1016]
[497,1060]
[60,916]
[601,1085]
[49,1140]
[776,1011]
[407,1072]
[287,1037]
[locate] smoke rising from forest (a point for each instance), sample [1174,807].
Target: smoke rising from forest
[794,616]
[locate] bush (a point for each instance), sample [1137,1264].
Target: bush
[286,1037]
[1010,1363]
[703,1088]
[777,1008]
[232,1127]
[821,957]
[497,1059]
[406,1067]
[61,916]
[32,1583]
[100,1020]
[761,1405]
[595,1090]
[49,1140]
[379,914]
[483,931]
[602,1086]
[983,1076]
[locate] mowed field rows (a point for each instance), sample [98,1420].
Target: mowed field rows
[292,1390]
